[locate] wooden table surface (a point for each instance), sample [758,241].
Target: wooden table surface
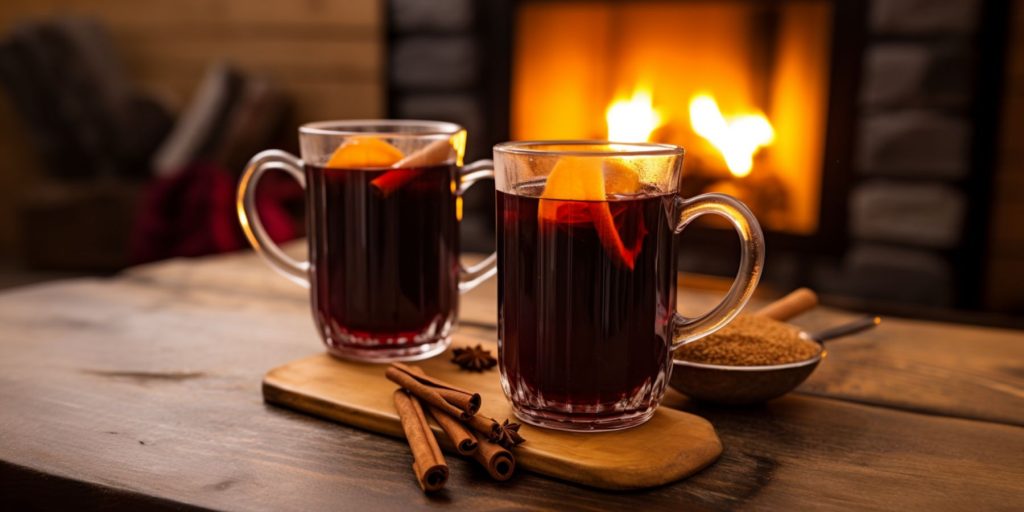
[144,390]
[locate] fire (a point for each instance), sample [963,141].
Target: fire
[632,120]
[738,138]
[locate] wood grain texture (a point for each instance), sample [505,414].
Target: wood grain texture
[950,370]
[145,389]
[359,395]
[181,14]
[943,369]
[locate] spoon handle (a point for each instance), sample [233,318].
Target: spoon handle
[847,329]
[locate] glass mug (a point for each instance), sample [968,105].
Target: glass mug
[587,317]
[383,203]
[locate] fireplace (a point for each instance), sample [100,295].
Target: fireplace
[861,132]
[744,86]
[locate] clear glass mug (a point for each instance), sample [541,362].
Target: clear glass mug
[587,317]
[383,203]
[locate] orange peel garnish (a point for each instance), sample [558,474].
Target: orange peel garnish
[364,151]
[573,178]
[620,178]
[590,179]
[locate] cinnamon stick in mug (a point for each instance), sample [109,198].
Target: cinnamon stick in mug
[408,168]
[428,463]
[449,399]
[435,153]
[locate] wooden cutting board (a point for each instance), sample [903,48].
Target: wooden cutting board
[671,446]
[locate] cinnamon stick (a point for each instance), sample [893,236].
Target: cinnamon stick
[483,425]
[793,304]
[435,153]
[449,399]
[408,168]
[463,440]
[428,463]
[498,461]
[392,180]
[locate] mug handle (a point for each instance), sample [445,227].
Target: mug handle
[471,277]
[686,330]
[245,203]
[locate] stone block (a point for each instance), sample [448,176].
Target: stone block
[915,74]
[916,214]
[912,17]
[897,275]
[914,143]
[477,226]
[456,108]
[431,15]
[434,62]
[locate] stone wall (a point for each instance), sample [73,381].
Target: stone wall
[909,203]
[437,71]
[435,62]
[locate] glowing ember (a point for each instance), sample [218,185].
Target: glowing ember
[738,138]
[632,120]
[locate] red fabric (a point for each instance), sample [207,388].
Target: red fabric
[193,214]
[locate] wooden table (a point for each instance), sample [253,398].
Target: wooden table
[144,390]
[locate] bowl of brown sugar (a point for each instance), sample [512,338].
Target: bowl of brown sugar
[752,360]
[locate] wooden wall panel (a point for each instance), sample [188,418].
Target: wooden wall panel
[362,15]
[327,54]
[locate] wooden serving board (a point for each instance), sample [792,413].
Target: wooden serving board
[671,446]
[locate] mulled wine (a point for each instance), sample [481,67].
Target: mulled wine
[586,295]
[383,256]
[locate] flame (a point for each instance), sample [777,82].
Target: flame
[738,139]
[632,120]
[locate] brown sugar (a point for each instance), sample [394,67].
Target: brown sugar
[751,341]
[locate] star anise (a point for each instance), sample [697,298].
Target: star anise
[506,434]
[474,359]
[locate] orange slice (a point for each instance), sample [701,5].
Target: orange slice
[364,151]
[573,178]
[620,178]
[587,179]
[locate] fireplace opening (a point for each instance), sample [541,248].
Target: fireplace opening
[863,133]
[743,86]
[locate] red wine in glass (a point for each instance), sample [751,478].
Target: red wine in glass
[585,323]
[384,264]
